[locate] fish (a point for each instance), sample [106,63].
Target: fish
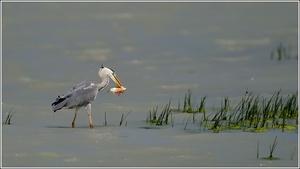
[117,90]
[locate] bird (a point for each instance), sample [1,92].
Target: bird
[83,93]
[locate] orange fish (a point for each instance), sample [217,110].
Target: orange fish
[117,90]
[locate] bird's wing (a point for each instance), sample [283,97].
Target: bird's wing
[82,94]
[78,86]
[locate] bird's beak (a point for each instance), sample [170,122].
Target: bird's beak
[116,80]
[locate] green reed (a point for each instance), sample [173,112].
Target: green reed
[254,112]
[276,107]
[152,115]
[290,108]
[266,107]
[201,108]
[187,104]
[221,115]
[163,118]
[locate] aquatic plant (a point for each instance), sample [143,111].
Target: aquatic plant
[194,117]
[152,115]
[290,108]
[276,107]
[217,123]
[201,108]
[266,105]
[163,118]
[8,117]
[123,117]
[282,52]
[184,104]
[187,104]
[254,112]
[105,122]
[272,148]
[257,150]
[221,116]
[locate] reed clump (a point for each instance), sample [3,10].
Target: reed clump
[258,113]
[163,118]
[254,112]
[191,107]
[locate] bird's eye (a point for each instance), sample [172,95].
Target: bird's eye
[114,74]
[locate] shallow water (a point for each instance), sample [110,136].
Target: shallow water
[138,144]
[159,51]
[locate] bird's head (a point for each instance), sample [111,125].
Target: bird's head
[105,72]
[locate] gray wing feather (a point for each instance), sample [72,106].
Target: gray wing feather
[80,95]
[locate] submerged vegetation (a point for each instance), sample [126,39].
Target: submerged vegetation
[282,52]
[254,112]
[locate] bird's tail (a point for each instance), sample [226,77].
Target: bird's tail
[59,103]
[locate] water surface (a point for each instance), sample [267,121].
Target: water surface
[159,51]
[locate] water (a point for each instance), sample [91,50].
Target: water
[159,51]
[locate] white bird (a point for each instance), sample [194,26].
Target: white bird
[82,94]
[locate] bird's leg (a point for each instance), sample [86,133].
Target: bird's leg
[89,112]
[73,122]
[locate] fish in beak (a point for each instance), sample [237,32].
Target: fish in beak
[120,89]
[117,90]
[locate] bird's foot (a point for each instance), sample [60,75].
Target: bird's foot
[91,126]
[73,125]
